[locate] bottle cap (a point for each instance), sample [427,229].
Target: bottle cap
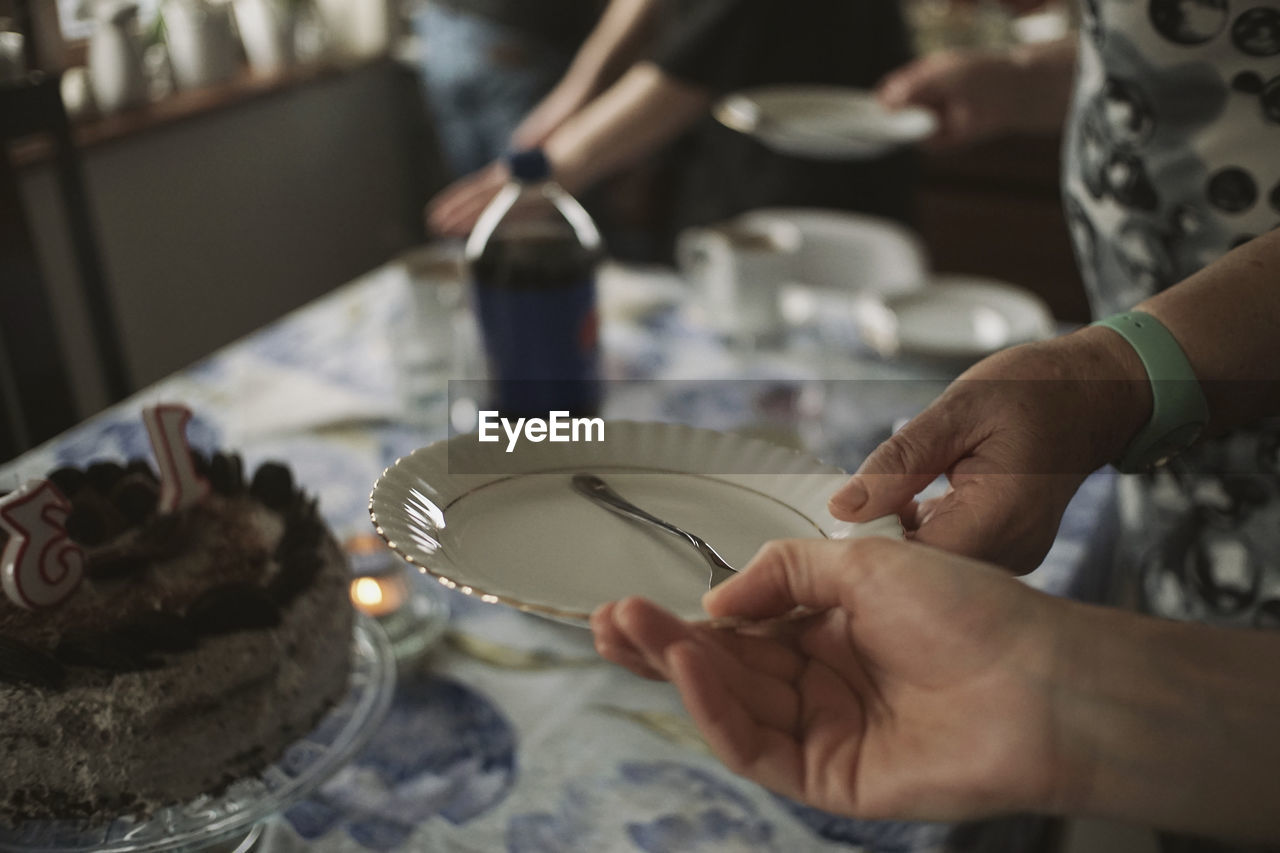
[529,165]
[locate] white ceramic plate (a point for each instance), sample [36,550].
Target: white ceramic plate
[823,122]
[521,536]
[956,317]
[843,251]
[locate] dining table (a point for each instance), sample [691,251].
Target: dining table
[509,732]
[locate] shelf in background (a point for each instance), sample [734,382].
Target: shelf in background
[182,106]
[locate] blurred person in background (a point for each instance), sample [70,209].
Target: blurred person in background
[485,63]
[701,49]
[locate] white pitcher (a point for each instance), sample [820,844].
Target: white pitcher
[117,74]
[202,44]
[358,28]
[267,32]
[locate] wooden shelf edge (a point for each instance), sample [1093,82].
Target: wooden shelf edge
[245,87]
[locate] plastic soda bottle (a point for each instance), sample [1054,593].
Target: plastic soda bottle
[533,257]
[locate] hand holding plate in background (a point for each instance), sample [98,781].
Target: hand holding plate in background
[823,122]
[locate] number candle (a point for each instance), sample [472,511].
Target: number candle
[180,484]
[40,566]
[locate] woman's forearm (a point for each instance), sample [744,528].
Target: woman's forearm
[1170,724]
[641,112]
[1227,319]
[615,43]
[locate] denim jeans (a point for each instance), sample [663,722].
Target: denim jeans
[481,78]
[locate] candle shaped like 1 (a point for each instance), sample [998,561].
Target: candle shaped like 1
[40,565]
[180,484]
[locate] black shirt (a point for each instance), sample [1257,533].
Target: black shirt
[726,45]
[737,44]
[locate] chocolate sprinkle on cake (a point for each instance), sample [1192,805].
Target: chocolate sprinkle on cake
[112,564]
[273,485]
[21,664]
[226,473]
[155,629]
[233,607]
[136,497]
[86,526]
[68,480]
[103,650]
[103,475]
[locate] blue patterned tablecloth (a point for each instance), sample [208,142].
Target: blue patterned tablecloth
[512,734]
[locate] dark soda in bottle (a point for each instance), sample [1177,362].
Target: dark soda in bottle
[533,257]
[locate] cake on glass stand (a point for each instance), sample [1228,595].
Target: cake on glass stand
[233,819]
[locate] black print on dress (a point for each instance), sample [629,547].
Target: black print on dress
[1241,240]
[1224,571]
[1186,221]
[1128,182]
[1257,32]
[1226,502]
[1083,238]
[1267,616]
[1117,123]
[1143,256]
[1188,22]
[1248,83]
[1091,21]
[1231,190]
[1271,101]
[1199,571]
[1251,83]
[1268,453]
[1130,121]
[1274,197]
[1093,152]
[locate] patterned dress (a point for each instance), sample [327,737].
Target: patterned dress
[1173,159]
[1174,153]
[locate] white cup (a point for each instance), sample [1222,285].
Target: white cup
[428,336]
[737,269]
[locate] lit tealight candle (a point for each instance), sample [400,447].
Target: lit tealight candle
[411,613]
[379,596]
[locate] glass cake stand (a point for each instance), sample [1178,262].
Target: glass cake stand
[233,820]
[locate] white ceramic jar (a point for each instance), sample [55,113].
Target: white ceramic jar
[202,44]
[117,75]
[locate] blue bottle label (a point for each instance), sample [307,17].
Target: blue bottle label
[543,348]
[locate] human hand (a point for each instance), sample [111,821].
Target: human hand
[454,210]
[921,688]
[975,95]
[1015,436]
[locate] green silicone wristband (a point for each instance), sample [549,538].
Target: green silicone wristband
[1179,411]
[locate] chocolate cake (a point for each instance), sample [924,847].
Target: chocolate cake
[198,646]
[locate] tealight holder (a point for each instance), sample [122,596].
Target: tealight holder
[410,610]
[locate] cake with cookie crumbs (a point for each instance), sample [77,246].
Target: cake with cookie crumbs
[198,645]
